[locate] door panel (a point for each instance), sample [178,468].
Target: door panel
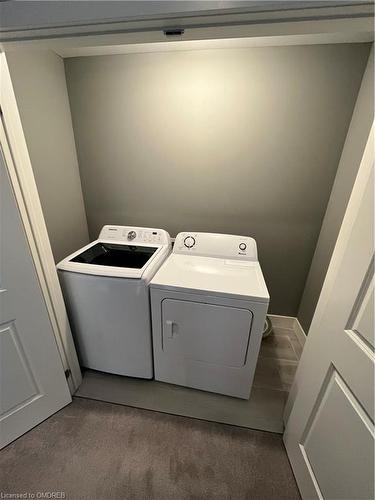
[32,379]
[206,332]
[363,321]
[21,386]
[329,434]
[338,443]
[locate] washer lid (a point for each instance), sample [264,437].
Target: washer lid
[120,251]
[106,258]
[115,255]
[243,279]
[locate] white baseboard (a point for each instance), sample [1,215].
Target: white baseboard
[282,321]
[290,323]
[299,331]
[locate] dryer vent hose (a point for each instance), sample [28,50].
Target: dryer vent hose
[267,329]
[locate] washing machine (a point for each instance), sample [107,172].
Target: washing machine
[106,290]
[209,302]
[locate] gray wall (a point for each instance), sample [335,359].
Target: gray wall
[242,141]
[358,133]
[40,87]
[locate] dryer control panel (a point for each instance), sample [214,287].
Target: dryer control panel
[135,235]
[224,246]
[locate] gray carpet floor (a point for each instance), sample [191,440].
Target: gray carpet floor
[101,451]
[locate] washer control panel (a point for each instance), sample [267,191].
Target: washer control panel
[225,246]
[135,235]
[131,235]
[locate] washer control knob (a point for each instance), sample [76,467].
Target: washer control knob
[189,241]
[131,235]
[242,246]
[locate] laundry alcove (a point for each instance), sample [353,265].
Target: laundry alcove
[260,141]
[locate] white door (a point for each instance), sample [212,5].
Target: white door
[329,434]
[32,379]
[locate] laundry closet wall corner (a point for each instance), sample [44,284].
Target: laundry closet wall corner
[38,79]
[21,172]
[354,146]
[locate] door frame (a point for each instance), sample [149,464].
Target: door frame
[330,23]
[341,27]
[18,165]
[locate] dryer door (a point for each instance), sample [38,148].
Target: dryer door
[205,333]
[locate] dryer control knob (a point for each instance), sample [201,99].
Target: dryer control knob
[242,246]
[131,235]
[189,241]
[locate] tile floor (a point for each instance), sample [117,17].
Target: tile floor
[278,360]
[276,367]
